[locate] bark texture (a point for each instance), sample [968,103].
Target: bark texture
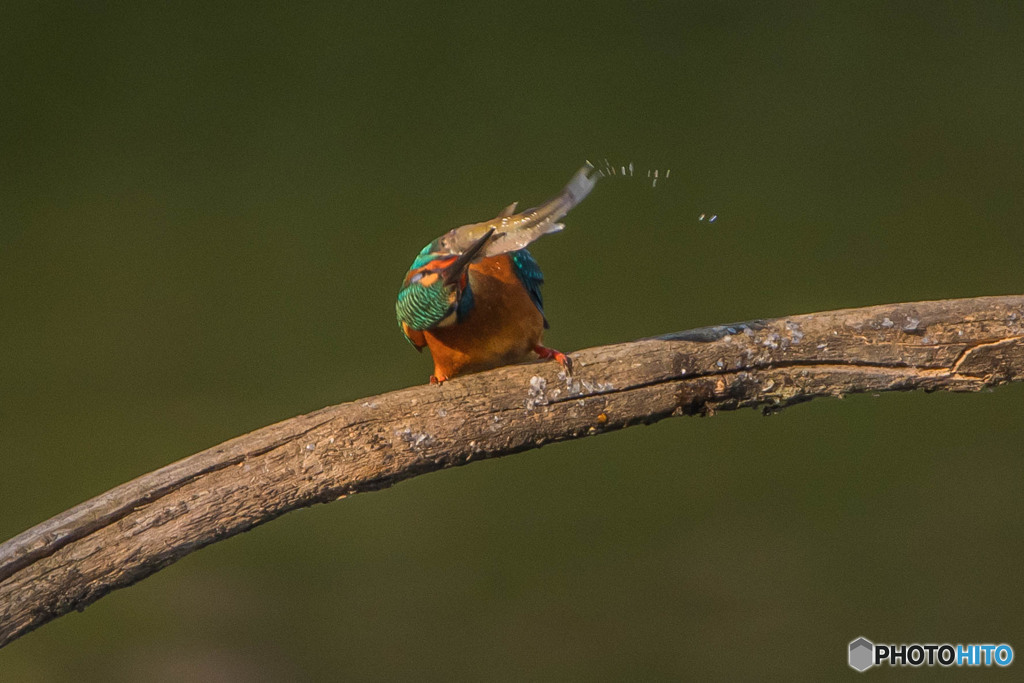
[138,528]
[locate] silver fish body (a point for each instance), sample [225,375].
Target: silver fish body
[513,231]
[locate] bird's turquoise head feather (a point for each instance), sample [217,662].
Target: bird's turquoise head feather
[436,289]
[423,306]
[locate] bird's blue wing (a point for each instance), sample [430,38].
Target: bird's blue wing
[529,272]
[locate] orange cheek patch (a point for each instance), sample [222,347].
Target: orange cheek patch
[415,336]
[428,279]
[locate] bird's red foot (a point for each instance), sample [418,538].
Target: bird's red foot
[563,360]
[434,379]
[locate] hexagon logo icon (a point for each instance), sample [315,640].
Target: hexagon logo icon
[862,654]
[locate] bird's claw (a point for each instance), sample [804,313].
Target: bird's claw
[546,353]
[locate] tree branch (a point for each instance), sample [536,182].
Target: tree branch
[142,526]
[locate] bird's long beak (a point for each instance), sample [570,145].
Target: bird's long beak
[453,272]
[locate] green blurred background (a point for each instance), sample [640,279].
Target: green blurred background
[206,212]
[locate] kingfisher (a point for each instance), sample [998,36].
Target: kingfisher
[473,295]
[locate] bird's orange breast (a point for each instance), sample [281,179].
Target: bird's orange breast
[503,326]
